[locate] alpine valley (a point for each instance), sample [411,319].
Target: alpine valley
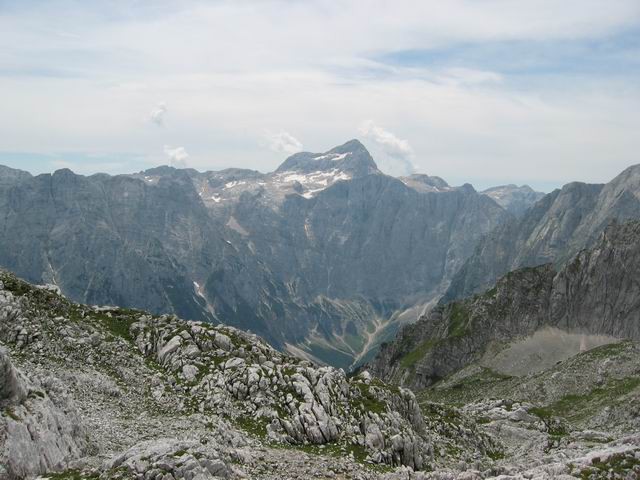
[324,258]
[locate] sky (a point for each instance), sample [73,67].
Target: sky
[488,92]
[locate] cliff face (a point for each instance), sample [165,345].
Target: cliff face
[597,293]
[312,256]
[552,231]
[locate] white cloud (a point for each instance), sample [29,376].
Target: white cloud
[398,151]
[283,142]
[177,156]
[465,120]
[157,114]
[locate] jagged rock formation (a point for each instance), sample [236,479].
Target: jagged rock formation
[552,231]
[157,397]
[541,362]
[40,431]
[119,393]
[596,293]
[315,257]
[578,418]
[514,199]
[293,401]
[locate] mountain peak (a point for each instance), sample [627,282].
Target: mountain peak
[513,198]
[351,157]
[10,175]
[425,183]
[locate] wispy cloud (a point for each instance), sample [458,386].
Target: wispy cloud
[398,151]
[158,113]
[177,156]
[535,89]
[282,142]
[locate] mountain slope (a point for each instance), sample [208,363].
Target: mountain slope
[316,256]
[553,230]
[596,293]
[119,393]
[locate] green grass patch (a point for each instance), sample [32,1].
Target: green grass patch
[495,455]
[340,450]
[607,351]
[459,316]
[255,426]
[15,286]
[479,385]
[417,354]
[368,401]
[577,407]
[117,324]
[9,412]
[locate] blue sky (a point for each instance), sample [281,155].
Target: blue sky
[486,92]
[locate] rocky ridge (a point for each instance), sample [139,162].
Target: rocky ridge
[595,293]
[318,257]
[553,230]
[118,393]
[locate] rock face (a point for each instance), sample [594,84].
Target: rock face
[552,231]
[312,256]
[514,199]
[11,176]
[294,402]
[595,293]
[160,395]
[115,393]
[37,434]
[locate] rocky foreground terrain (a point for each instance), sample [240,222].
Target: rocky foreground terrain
[116,393]
[111,393]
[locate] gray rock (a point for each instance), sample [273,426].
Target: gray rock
[521,304]
[326,242]
[38,435]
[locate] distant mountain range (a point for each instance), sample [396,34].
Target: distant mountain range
[325,257]
[553,230]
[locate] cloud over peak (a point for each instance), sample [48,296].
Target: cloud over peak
[398,151]
[283,142]
[177,156]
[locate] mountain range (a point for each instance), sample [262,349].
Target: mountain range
[595,297]
[324,257]
[507,323]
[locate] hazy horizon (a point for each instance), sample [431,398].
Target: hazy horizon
[480,186]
